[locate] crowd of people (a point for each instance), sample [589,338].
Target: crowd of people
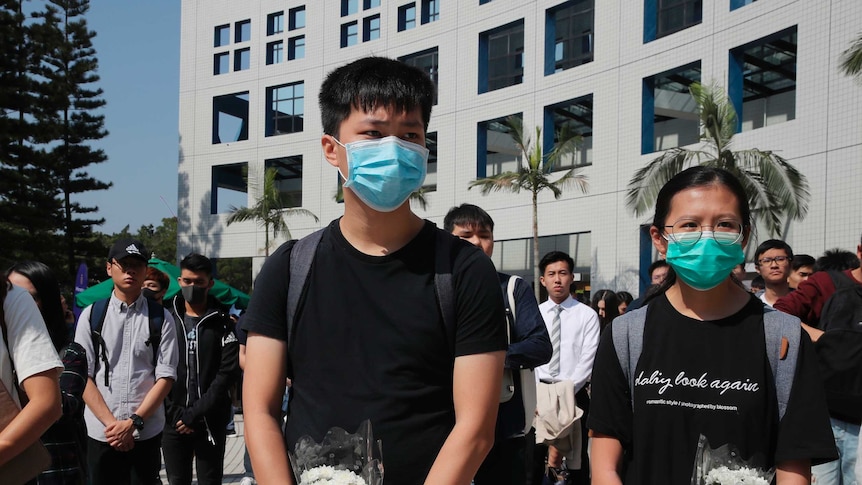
[382,317]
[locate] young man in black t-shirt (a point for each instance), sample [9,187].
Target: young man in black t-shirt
[369,341]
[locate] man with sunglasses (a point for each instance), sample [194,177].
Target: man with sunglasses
[772,260]
[126,385]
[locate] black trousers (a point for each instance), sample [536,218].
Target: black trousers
[138,466]
[506,464]
[181,449]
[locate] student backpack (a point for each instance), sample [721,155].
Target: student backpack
[782,334]
[156,317]
[840,347]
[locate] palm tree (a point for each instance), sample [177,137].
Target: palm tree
[851,59]
[536,173]
[269,209]
[776,190]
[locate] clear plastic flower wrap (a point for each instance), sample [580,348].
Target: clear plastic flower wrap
[725,466]
[342,458]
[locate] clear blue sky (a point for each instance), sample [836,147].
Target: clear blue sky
[137,44]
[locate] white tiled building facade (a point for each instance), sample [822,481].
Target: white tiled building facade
[616,70]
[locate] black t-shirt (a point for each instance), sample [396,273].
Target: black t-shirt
[711,378]
[190,326]
[370,342]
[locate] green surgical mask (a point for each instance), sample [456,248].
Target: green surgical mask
[706,263]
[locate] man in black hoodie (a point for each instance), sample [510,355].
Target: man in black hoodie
[198,407]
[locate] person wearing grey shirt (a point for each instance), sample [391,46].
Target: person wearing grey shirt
[127,380]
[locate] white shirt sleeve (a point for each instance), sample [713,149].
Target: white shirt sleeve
[584,365]
[30,345]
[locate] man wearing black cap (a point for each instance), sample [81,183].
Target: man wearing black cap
[130,371]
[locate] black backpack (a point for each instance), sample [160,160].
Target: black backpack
[839,349]
[156,314]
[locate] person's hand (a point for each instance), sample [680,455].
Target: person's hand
[182,428]
[120,435]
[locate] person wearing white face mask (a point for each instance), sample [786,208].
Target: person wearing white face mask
[370,339]
[704,359]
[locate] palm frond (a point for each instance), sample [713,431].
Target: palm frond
[516,132]
[851,59]
[717,115]
[648,181]
[572,178]
[567,143]
[504,181]
[780,178]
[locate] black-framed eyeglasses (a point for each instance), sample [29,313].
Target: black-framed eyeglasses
[778,259]
[686,232]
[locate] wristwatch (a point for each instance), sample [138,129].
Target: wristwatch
[137,422]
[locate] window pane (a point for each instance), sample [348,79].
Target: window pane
[371,4]
[241,59]
[572,117]
[505,56]
[406,17]
[243,31]
[275,23]
[296,48]
[297,18]
[286,110]
[230,118]
[349,34]
[573,34]
[288,179]
[229,187]
[222,35]
[427,61]
[371,28]
[221,63]
[349,7]
[274,52]
[768,71]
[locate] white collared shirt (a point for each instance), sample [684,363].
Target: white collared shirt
[579,338]
[126,331]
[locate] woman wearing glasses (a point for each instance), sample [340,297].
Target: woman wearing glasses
[703,368]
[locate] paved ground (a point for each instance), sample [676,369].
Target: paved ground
[234,450]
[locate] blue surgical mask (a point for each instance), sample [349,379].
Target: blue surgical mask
[706,263]
[384,172]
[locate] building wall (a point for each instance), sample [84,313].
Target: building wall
[824,140]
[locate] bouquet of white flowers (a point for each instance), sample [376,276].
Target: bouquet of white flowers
[342,458]
[725,466]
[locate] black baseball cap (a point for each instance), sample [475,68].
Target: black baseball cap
[128,248]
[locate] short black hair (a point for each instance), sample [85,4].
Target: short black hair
[659,263]
[772,244]
[467,215]
[197,263]
[625,297]
[758,282]
[801,260]
[373,82]
[836,260]
[553,257]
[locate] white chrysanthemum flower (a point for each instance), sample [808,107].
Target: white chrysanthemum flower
[327,475]
[743,476]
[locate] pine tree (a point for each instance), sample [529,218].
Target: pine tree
[28,203]
[70,120]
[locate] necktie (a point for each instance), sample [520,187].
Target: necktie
[555,341]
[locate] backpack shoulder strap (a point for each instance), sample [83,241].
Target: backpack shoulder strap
[156,315]
[301,257]
[782,333]
[97,320]
[444,284]
[628,335]
[511,307]
[840,280]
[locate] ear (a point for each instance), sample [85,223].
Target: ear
[330,149]
[542,280]
[658,241]
[212,282]
[108,268]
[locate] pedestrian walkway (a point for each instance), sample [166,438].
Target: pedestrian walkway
[234,450]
